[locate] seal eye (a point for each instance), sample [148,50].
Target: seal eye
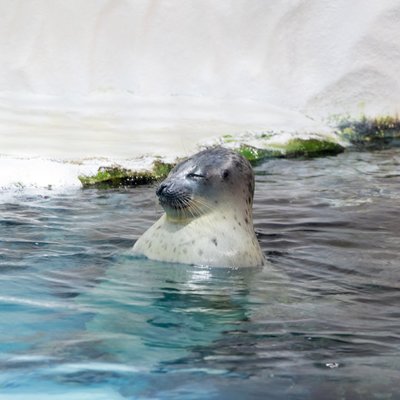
[192,175]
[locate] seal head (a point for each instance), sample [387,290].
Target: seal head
[201,183]
[208,213]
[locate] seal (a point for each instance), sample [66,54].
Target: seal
[208,220]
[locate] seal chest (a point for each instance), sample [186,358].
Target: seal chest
[208,220]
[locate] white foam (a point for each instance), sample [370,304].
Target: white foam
[38,175]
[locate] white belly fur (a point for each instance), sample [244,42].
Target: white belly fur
[221,238]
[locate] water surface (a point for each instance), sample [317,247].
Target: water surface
[80,318]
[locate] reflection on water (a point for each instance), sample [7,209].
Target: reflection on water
[80,318]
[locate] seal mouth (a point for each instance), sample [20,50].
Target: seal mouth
[171,198]
[174,202]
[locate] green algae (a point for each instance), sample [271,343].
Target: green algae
[117,176]
[255,155]
[294,148]
[161,169]
[371,133]
[228,138]
[310,148]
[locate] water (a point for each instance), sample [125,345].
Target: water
[81,319]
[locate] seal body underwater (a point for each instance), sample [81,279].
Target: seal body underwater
[208,201]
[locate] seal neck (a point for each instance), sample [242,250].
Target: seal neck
[243,218]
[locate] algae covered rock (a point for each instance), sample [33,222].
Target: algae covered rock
[311,148]
[262,149]
[371,133]
[117,176]
[294,148]
[254,154]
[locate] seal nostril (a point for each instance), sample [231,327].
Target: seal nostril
[160,189]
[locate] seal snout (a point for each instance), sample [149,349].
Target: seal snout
[164,193]
[171,196]
[167,190]
[161,188]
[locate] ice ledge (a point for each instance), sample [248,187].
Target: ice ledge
[50,143]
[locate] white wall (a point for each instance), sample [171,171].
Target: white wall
[321,56]
[124,78]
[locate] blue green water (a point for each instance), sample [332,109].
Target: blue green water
[81,319]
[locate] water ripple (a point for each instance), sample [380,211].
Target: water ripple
[79,315]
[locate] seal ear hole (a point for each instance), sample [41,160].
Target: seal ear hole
[225,174]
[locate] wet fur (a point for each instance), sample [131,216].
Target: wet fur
[208,221]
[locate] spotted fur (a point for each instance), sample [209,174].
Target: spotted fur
[208,213]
